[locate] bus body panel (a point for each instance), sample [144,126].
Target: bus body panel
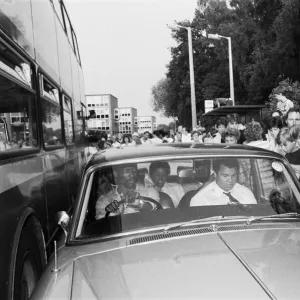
[64,59]
[75,78]
[46,181]
[16,22]
[24,189]
[56,185]
[73,172]
[45,37]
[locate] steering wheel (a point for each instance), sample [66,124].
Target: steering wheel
[116,204]
[157,204]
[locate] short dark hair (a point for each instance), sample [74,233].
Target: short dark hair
[156,132]
[293,109]
[126,136]
[229,163]
[100,144]
[146,132]
[275,122]
[159,165]
[221,121]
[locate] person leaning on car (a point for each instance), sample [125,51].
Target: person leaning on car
[225,188]
[128,190]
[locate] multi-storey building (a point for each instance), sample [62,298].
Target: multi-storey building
[104,106]
[125,117]
[146,123]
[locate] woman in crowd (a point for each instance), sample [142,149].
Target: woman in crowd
[126,141]
[195,138]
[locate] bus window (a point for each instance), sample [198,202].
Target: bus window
[18,124]
[48,90]
[15,66]
[68,28]
[57,8]
[51,114]
[68,120]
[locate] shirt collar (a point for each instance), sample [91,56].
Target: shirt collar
[218,190]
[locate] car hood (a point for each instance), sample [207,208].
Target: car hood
[251,264]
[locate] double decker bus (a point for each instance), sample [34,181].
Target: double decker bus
[42,148]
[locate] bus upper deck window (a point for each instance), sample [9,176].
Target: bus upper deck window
[15,65]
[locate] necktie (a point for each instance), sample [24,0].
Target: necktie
[237,202]
[231,198]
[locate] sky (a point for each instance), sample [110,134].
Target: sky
[125,46]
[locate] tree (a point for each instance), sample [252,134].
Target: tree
[265,45]
[163,127]
[293,88]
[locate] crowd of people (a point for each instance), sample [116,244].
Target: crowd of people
[279,133]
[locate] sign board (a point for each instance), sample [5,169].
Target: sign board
[208,105]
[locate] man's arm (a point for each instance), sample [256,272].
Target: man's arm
[202,197]
[245,196]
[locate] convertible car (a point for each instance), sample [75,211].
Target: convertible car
[180,222]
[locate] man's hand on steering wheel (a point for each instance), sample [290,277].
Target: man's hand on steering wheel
[147,203]
[112,207]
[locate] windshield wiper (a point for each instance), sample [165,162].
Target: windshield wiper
[292,215]
[215,218]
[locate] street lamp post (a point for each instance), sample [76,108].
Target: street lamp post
[218,37]
[192,78]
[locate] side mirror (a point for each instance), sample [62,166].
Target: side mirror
[63,219]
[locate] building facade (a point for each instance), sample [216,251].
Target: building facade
[146,123]
[104,106]
[125,117]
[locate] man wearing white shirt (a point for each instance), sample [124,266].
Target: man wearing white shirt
[186,136]
[224,189]
[115,143]
[156,139]
[145,139]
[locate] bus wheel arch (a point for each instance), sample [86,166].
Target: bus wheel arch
[29,256]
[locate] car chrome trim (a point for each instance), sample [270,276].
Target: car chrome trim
[247,267]
[203,230]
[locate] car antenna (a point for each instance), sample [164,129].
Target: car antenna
[55,270]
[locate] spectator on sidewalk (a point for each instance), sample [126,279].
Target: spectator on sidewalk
[146,138]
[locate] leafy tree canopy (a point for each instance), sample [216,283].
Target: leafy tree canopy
[265,38]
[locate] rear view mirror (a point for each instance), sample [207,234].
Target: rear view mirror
[186,173]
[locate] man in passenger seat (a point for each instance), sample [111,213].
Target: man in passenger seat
[225,188]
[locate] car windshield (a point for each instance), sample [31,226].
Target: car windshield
[139,195]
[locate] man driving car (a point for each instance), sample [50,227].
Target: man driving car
[224,189]
[123,198]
